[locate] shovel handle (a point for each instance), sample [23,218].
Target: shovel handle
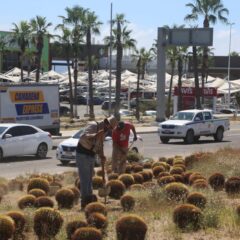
[103,171]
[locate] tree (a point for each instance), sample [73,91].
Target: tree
[121,39]
[66,40]
[234,54]
[74,19]
[21,36]
[211,10]
[40,28]
[3,45]
[90,26]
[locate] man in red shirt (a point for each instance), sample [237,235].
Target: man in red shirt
[120,137]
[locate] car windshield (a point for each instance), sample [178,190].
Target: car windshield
[183,116]
[2,129]
[77,134]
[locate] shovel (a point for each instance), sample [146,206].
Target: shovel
[105,190]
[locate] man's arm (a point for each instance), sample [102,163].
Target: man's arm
[134,132]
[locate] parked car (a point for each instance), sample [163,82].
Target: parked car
[105,105]
[125,112]
[22,139]
[190,125]
[228,111]
[64,110]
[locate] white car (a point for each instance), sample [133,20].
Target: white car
[66,150]
[22,139]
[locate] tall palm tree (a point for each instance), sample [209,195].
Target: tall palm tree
[74,19]
[66,39]
[121,39]
[211,10]
[40,28]
[21,36]
[90,26]
[3,45]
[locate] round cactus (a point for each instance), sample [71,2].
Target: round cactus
[165,180]
[170,161]
[97,220]
[117,189]
[176,191]
[87,233]
[95,207]
[19,221]
[147,175]
[198,199]
[137,168]
[181,166]
[195,176]
[200,184]
[72,226]
[176,170]
[156,164]
[149,184]
[39,183]
[128,168]
[217,181]
[127,202]
[26,201]
[158,169]
[147,165]
[138,178]
[7,227]
[37,192]
[163,174]
[179,178]
[131,227]
[47,222]
[232,185]
[187,216]
[113,176]
[65,198]
[44,201]
[162,159]
[97,182]
[238,210]
[127,179]
[76,194]
[137,187]
[99,173]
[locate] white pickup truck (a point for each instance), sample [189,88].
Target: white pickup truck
[190,125]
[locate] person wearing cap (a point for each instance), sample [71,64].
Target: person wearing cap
[120,137]
[90,145]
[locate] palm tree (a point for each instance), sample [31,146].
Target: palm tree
[39,27]
[211,10]
[90,26]
[3,45]
[21,36]
[121,39]
[66,40]
[74,19]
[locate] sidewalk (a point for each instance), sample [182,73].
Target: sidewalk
[139,130]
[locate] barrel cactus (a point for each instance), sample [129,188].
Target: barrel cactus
[72,226]
[7,227]
[117,189]
[26,201]
[176,191]
[39,183]
[217,181]
[65,198]
[87,233]
[95,207]
[127,202]
[127,179]
[97,220]
[37,192]
[43,201]
[198,199]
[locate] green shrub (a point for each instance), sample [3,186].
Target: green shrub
[131,227]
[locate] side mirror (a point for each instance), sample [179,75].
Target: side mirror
[7,136]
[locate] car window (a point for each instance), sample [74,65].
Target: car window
[207,115]
[27,130]
[15,131]
[183,116]
[2,129]
[199,117]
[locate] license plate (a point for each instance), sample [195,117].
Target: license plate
[68,153]
[166,131]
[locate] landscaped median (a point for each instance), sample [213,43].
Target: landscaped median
[190,197]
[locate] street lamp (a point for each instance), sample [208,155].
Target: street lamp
[229,64]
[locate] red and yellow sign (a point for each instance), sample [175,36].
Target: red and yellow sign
[26,96]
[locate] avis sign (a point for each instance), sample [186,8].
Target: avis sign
[191,91]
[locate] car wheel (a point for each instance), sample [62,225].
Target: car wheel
[218,136]
[65,163]
[1,154]
[189,139]
[164,139]
[196,139]
[134,149]
[42,151]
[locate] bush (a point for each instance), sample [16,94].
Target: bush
[176,191]
[7,227]
[65,198]
[217,181]
[187,216]
[87,233]
[131,227]
[117,189]
[72,226]
[38,183]
[95,207]
[127,179]
[197,199]
[47,222]
[26,201]
[97,220]
[127,202]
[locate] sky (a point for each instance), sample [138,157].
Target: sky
[144,18]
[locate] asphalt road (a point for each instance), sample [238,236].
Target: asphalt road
[149,147]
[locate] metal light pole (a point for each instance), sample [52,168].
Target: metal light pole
[110,66]
[229,64]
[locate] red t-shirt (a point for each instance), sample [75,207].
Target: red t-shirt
[121,137]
